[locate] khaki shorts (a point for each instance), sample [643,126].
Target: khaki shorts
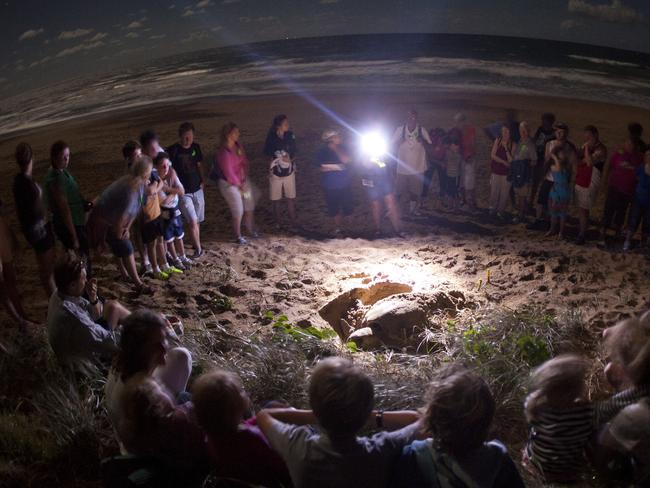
[409,185]
[282,184]
[584,197]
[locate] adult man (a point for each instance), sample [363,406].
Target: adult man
[544,134]
[186,158]
[81,329]
[411,140]
[591,162]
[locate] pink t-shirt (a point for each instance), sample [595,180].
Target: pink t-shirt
[622,174]
[233,164]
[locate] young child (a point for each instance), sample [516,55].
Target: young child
[237,449]
[457,416]
[436,161]
[640,213]
[341,397]
[558,198]
[170,213]
[453,162]
[561,420]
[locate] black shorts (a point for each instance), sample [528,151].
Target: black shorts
[450,186]
[544,191]
[339,201]
[67,240]
[42,241]
[173,229]
[151,230]
[121,248]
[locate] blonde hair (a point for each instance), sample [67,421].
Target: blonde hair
[628,343]
[219,401]
[557,384]
[141,166]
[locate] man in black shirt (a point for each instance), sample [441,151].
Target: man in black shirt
[186,158]
[280,148]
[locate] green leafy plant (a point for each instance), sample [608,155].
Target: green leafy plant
[281,323]
[221,303]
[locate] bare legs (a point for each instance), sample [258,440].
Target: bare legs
[194,231]
[45,263]
[115,312]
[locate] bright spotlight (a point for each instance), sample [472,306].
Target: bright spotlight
[373,145]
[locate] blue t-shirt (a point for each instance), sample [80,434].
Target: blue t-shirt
[331,180]
[643,186]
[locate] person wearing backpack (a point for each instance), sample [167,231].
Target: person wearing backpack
[280,147]
[411,141]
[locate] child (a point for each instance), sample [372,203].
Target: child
[172,223]
[452,172]
[559,195]
[466,134]
[341,397]
[436,161]
[458,416]
[237,449]
[561,420]
[641,207]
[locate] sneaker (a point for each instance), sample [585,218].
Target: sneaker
[187,262]
[197,254]
[147,270]
[161,275]
[255,235]
[337,232]
[178,264]
[416,213]
[241,241]
[173,270]
[627,245]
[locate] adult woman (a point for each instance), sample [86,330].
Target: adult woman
[31,215]
[333,159]
[144,394]
[66,203]
[232,178]
[521,169]
[280,147]
[502,155]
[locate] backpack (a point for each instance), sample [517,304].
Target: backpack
[440,470]
[419,137]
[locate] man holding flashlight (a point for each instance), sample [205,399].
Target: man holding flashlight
[411,140]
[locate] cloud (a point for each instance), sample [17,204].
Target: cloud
[204,3]
[172,7]
[329,2]
[188,12]
[228,2]
[614,12]
[136,24]
[73,34]
[84,46]
[132,35]
[217,28]
[158,36]
[268,18]
[196,36]
[98,37]
[570,24]
[40,61]
[30,34]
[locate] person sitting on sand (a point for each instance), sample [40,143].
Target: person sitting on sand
[502,156]
[172,224]
[237,448]
[561,141]
[333,159]
[411,141]
[152,231]
[30,208]
[341,397]
[66,203]
[231,172]
[521,170]
[561,420]
[146,399]
[640,213]
[280,148]
[458,415]
[187,160]
[81,329]
[588,175]
[8,292]
[620,191]
[559,196]
[113,215]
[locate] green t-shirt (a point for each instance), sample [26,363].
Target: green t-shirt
[70,189]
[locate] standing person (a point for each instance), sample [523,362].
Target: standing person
[187,160]
[453,163]
[591,162]
[231,172]
[466,134]
[521,170]
[436,162]
[635,130]
[32,216]
[620,192]
[132,151]
[333,160]
[502,155]
[562,141]
[411,140]
[170,194]
[559,195]
[67,205]
[280,147]
[640,213]
[545,133]
[493,131]
[113,215]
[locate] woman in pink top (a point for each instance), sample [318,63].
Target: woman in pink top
[232,173]
[622,183]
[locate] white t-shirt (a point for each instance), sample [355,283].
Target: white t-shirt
[411,153]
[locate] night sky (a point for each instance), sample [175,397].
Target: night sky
[45,40]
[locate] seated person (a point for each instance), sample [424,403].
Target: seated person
[341,397]
[78,328]
[145,395]
[237,449]
[458,416]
